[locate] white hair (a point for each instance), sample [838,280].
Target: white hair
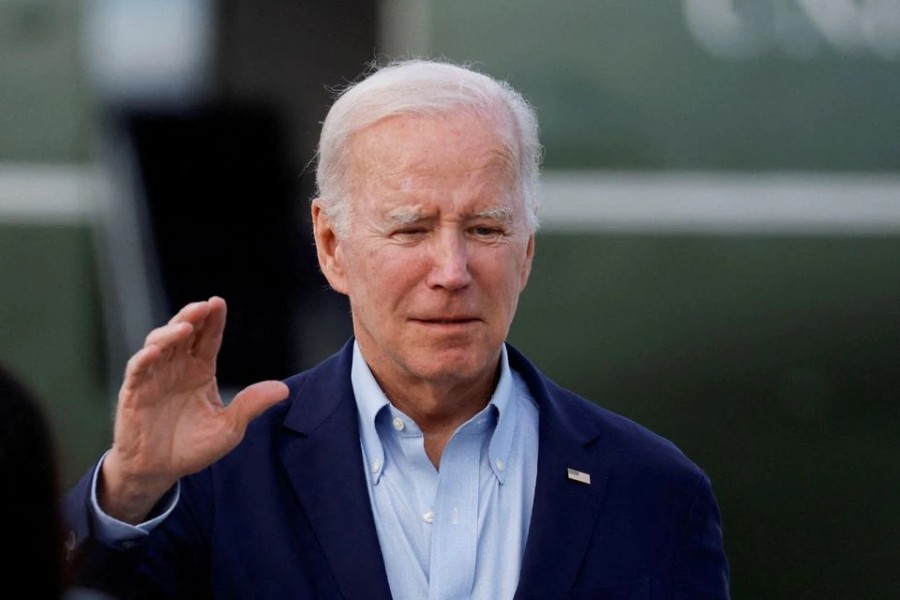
[424,87]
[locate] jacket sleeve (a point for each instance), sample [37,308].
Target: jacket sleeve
[701,567]
[91,564]
[118,568]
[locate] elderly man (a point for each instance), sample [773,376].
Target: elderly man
[427,458]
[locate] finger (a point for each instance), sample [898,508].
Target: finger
[140,367]
[169,335]
[208,337]
[191,313]
[250,402]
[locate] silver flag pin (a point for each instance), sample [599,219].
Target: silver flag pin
[579,476]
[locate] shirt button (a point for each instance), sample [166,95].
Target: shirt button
[398,424]
[428,516]
[500,465]
[376,466]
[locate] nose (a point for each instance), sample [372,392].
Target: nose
[449,261]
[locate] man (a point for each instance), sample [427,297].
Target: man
[427,458]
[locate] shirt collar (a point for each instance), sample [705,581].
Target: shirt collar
[370,401]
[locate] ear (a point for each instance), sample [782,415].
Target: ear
[328,248]
[526,265]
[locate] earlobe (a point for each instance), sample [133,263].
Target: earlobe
[526,265]
[328,247]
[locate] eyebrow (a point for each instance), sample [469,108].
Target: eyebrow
[404,215]
[408,215]
[499,213]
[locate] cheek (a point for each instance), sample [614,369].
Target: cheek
[384,273]
[504,266]
[493,286]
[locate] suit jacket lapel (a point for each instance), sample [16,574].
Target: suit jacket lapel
[565,509]
[323,443]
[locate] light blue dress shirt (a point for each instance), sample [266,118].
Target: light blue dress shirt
[451,534]
[459,532]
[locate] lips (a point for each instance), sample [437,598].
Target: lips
[449,321]
[446,320]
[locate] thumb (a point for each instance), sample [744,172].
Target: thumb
[250,402]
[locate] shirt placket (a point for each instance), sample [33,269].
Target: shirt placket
[455,520]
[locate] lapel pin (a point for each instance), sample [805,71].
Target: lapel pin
[579,476]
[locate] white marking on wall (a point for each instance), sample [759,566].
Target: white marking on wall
[711,202]
[721,203]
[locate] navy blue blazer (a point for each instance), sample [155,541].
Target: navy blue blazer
[286,514]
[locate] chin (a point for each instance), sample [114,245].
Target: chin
[457,364]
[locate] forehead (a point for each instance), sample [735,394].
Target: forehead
[417,149]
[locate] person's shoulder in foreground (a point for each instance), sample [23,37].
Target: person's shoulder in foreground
[28,465]
[34,567]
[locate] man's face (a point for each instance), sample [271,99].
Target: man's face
[437,251]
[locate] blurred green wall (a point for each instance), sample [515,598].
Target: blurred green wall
[45,99]
[51,333]
[628,84]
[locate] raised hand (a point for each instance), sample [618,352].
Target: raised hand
[170,418]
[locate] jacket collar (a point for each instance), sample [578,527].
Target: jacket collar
[565,509]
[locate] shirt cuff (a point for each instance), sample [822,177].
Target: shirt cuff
[111,531]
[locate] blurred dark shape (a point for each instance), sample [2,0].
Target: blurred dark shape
[29,472]
[38,564]
[222,209]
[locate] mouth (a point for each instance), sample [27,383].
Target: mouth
[447,321]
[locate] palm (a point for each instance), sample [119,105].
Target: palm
[170,419]
[176,417]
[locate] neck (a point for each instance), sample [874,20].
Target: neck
[440,408]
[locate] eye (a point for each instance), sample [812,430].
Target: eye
[409,234]
[486,232]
